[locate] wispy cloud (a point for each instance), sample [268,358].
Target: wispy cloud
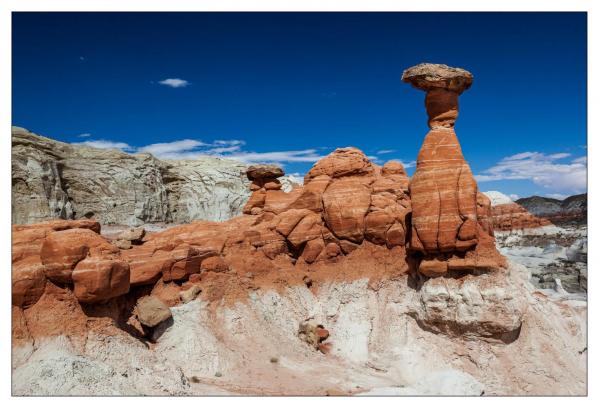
[166,150]
[551,171]
[385,151]
[226,149]
[106,144]
[289,156]
[174,82]
[84,135]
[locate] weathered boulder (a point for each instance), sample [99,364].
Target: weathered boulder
[347,161]
[266,188]
[63,250]
[190,294]
[185,261]
[96,279]
[133,235]
[488,306]
[346,203]
[429,77]
[309,228]
[28,272]
[151,311]
[264,171]
[28,282]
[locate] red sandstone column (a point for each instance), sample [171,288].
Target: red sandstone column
[443,191]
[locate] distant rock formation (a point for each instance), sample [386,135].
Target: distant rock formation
[448,211]
[51,179]
[572,210]
[510,216]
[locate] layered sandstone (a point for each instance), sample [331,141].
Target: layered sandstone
[449,216]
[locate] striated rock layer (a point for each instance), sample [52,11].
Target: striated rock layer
[450,227]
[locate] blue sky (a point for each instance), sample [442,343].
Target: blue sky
[289,88]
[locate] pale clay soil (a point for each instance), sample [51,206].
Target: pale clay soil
[378,348]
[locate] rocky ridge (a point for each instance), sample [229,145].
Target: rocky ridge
[571,210]
[51,179]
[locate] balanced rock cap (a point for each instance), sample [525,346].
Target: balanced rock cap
[430,76]
[264,171]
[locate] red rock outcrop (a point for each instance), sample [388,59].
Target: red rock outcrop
[511,217]
[450,226]
[351,219]
[28,272]
[66,252]
[265,186]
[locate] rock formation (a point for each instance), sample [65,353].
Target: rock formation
[446,203]
[350,219]
[510,216]
[369,265]
[52,180]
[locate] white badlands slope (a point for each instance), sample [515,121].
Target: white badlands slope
[379,347]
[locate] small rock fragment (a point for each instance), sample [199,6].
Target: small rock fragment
[151,311]
[134,235]
[190,294]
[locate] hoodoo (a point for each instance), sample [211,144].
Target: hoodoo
[450,229]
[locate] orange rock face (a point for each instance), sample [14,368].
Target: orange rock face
[28,272]
[443,193]
[347,161]
[450,219]
[63,250]
[96,279]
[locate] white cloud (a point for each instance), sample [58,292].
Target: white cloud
[514,197]
[84,135]
[549,171]
[226,149]
[289,156]
[171,150]
[106,144]
[385,151]
[174,82]
[558,156]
